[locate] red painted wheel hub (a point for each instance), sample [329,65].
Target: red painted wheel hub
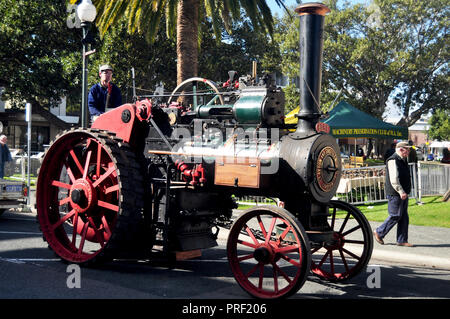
[337,242]
[82,195]
[265,254]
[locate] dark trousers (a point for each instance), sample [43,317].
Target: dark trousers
[398,215]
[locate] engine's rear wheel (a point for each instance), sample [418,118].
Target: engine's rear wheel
[351,248]
[89,196]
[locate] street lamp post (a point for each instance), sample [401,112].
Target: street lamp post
[86,12]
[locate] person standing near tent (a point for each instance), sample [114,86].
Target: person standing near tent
[446,156]
[398,186]
[389,152]
[5,154]
[412,157]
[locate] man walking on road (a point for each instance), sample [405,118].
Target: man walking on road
[398,186]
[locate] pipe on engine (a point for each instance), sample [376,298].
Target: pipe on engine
[311,160]
[312,16]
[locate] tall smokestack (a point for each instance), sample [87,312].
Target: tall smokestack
[312,16]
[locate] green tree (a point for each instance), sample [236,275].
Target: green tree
[35,45]
[41,54]
[216,58]
[255,46]
[237,52]
[145,17]
[391,50]
[154,63]
[422,51]
[440,125]
[286,35]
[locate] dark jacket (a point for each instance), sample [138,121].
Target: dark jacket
[5,154]
[403,175]
[97,98]
[446,157]
[412,157]
[388,154]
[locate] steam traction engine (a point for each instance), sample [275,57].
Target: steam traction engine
[157,173]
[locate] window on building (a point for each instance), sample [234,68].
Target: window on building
[17,137]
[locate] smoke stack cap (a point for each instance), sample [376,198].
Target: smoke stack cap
[312,8]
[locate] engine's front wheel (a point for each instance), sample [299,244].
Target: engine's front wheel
[268,252]
[89,196]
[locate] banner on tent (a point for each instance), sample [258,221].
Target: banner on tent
[337,132]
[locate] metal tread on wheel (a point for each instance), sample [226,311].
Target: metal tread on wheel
[90,196]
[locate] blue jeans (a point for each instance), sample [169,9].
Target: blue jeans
[398,214]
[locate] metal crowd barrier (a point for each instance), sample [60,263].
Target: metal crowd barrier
[364,185]
[256,200]
[19,165]
[434,179]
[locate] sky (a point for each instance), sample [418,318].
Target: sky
[276,9]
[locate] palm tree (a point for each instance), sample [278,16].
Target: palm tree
[182,17]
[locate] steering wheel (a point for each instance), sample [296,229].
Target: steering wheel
[195,80]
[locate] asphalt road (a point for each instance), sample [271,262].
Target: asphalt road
[29,270]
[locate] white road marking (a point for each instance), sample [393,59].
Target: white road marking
[20,232]
[24,260]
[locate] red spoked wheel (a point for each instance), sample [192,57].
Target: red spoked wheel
[350,249]
[268,252]
[89,196]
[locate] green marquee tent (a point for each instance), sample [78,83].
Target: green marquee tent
[347,121]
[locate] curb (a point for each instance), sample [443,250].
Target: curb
[410,259]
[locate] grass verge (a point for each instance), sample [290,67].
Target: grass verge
[433,212]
